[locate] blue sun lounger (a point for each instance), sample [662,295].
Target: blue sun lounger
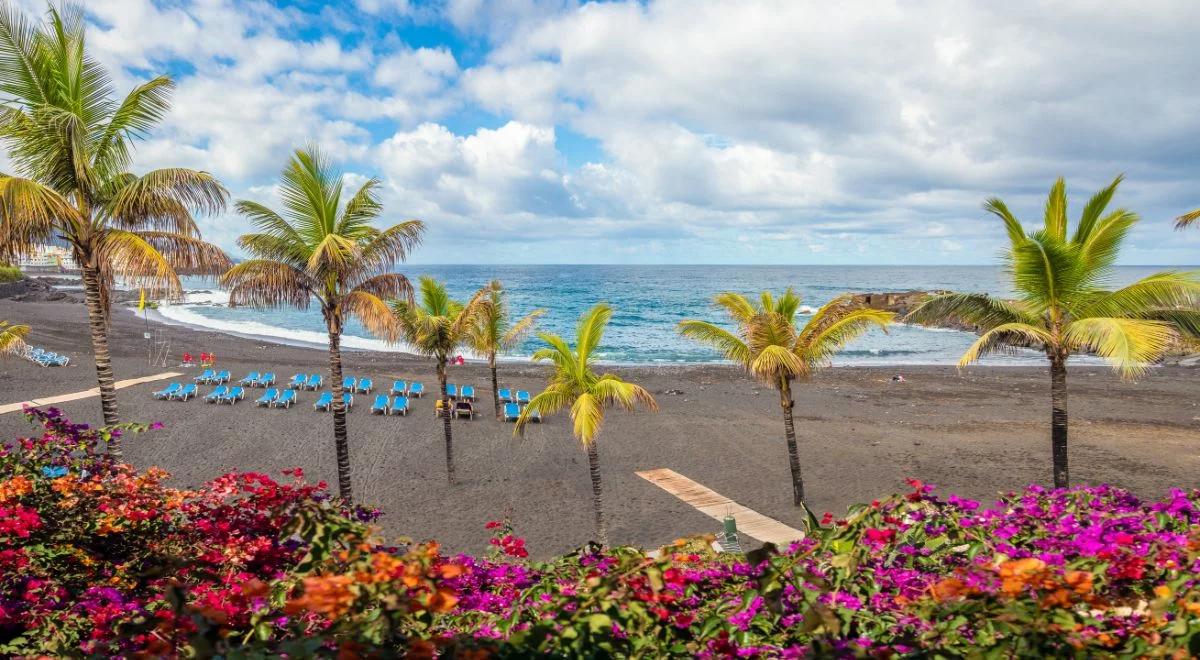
[250,379]
[168,391]
[206,377]
[522,397]
[349,383]
[222,377]
[364,386]
[324,401]
[298,382]
[400,406]
[399,387]
[511,412]
[535,415]
[267,398]
[186,393]
[416,390]
[231,397]
[265,380]
[452,390]
[212,396]
[285,400]
[467,392]
[348,399]
[314,382]
[506,395]
[380,406]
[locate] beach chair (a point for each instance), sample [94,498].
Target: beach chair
[349,383]
[212,396]
[324,401]
[467,392]
[364,386]
[267,398]
[348,399]
[380,407]
[400,406]
[231,397]
[464,409]
[298,382]
[168,391]
[285,400]
[250,379]
[535,415]
[206,377]
[399,387]
[186,393]
[452,391]
[314,382]
[266,380]
[506,395]
[511,412]
[522,397]
[437,408]
[416,390]
[223,377]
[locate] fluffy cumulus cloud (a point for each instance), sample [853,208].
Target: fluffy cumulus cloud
[687,130]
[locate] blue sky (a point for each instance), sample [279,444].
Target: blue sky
[685,131]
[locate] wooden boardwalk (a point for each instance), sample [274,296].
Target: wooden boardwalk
[75,396]
[717,506]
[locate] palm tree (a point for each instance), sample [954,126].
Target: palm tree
[1063,306]
[71,144]
[436,328]
[575,383]
[321,249]
[1187,219]
[770,347]
[12,338]
[493,332]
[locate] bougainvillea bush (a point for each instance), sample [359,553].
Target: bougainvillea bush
[97,558]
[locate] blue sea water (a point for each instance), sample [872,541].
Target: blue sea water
[648,302]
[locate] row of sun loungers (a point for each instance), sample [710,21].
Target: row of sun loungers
[395,406]
[512,411]
[306,382]
[358,385]
[403,387]
[210,377]
[276,398]
[325,402]
[255,379]
[507,396]
[46,358]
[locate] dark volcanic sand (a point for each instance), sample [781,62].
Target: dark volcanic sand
[975,433]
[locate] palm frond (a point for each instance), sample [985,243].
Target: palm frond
[590,330]
[187,255]
[775,361]
[1187,219]
[611,390]
[142,108]
[1165,290]
[997,207]
[850,325]
[166,199]
[1099,250]
[1005,338]
[1056,210]
[30,213]
[546,403]
[386,248]
[587,414]
[389,286]
[12,338]
[736,305]
[978,309]
[372,312]
[267,283]
[1094,209]
[1129,345]
[518,331]
[127,256]
[733,348]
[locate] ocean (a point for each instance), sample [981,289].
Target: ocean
[648,302]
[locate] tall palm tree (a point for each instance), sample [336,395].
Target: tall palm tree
[1063,305]
[319,248]
[12,337]
[575,383]
[436,328]
[494,332]
[71,145]
[1187,219]
[771,348]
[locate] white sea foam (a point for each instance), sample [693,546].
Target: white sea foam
[189,316]
[805,309]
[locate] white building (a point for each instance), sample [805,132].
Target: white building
[48,256]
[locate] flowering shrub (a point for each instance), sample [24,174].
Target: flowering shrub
[96,558]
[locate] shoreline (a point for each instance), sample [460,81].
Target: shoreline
[975,432]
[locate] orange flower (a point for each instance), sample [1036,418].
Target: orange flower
[327,594]
[949,589]
[1017,574]
[1079,581]
[1162,591]
[14,488]
[451,570]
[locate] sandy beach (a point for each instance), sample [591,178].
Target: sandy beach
[976,433]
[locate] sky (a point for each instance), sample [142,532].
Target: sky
[684,131]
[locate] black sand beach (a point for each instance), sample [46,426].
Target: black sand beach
[975,433]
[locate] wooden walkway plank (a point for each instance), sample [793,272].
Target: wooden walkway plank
[75,396]
[717,506]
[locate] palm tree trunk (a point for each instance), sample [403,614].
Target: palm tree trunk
[597,493]
[495,384]
[789,430]
[447,413]
[104,373]
[1058,420]
[340,441]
